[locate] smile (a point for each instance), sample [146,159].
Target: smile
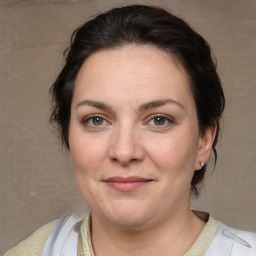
[126,184]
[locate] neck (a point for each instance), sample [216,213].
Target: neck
[172,236]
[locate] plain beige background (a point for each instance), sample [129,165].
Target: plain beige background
[37,183]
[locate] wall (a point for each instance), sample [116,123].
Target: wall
[37,183]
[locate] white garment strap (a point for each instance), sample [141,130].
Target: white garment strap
[232,242]
[62,240]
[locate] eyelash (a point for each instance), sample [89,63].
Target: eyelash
[167,119]
[87,121]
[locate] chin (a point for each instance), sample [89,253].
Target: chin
[128,214]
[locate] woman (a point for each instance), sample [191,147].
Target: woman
[138,104]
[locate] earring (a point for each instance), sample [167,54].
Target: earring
[202,164]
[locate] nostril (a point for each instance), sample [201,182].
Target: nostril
[126,161]
[126,149]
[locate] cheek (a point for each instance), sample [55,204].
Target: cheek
[87,151]
[174,157]
[86,160]
[172,151]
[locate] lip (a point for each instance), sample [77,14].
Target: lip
[126,184]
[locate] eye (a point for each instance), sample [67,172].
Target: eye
[95,120]
[160,120]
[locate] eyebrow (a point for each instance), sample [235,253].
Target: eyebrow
[159,103]
[143,107]
[95,104]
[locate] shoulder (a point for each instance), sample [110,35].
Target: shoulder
[233,242]
[34,244]
[56,237]
[246,238]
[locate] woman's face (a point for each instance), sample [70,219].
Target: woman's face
[134,136]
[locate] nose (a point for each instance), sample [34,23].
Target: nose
[126,146]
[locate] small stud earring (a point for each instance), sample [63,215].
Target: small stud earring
[202,164]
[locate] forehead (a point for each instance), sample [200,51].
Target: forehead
[131,70]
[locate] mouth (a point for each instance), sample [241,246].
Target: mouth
[126,184]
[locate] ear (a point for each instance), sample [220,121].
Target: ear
[205,146]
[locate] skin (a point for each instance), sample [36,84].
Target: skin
[133,114]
